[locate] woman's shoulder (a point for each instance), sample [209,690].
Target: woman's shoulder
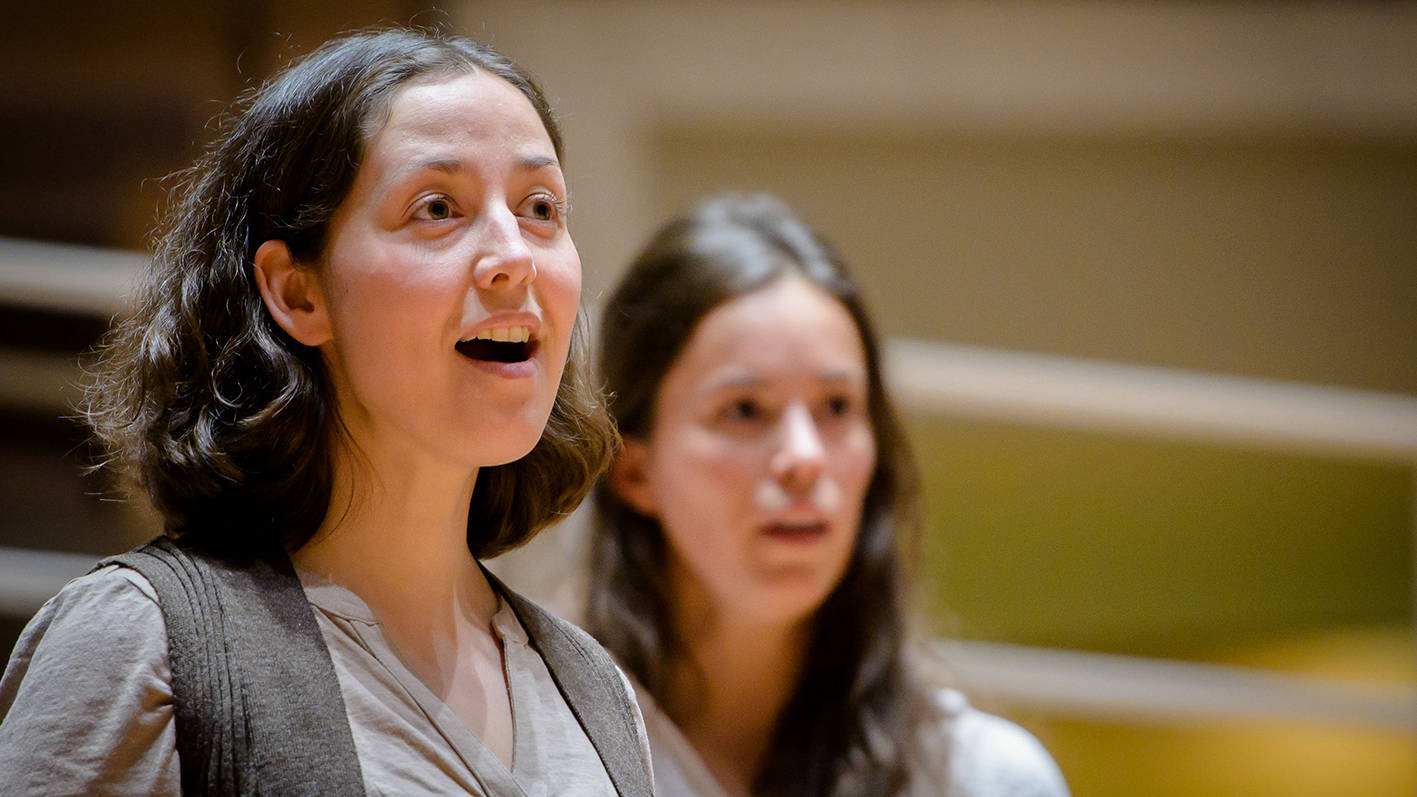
[103,622]
[89,676]
[991,755]
[111,601]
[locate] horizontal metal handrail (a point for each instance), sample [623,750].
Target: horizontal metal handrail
[1149,401]
[66,277]
[28,577]
[1146,690]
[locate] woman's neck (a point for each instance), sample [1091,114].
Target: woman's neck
[729,692]
[397,537]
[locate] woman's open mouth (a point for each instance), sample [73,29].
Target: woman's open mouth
[500,345]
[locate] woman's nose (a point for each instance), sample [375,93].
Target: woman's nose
[800,454]
[503,258]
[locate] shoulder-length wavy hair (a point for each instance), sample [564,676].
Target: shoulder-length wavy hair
[200,399]
[849,727]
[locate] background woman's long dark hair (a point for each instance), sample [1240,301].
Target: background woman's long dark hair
[849,726]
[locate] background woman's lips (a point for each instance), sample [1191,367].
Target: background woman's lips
[796,531]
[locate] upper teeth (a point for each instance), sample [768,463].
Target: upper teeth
[504,334]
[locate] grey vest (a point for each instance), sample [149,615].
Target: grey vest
[257,702]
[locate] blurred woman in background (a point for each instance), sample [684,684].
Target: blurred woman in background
[353,371]
[746,558]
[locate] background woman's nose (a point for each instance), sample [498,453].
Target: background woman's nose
[801,453]
[503,258]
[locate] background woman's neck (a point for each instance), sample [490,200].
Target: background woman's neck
[729,689]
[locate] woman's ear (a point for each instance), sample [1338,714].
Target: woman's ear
[292,294]
[629,476]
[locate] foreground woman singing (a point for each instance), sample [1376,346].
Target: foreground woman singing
[346,381]
[746,563]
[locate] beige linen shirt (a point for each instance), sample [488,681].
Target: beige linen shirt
[980,755]
[86,705]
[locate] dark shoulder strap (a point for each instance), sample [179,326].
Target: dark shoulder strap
[592,687]
[257,701]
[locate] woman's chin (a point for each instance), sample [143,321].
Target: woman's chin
[782,604]
[508,450]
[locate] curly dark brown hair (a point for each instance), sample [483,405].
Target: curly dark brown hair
[850,726]
[205,404]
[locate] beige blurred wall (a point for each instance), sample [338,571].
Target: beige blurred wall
[1222,187]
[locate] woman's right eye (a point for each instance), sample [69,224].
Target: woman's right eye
[434,208]
[744,409]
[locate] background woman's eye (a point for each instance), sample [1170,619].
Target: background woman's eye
[543,210]
[743,410]
[838,405]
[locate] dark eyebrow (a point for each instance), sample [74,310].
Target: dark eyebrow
[531,164]
[843,376]
[736,383]
[751,381]
[445,165]
[455,166]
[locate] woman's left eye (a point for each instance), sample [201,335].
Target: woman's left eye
[839,406]
[543,207]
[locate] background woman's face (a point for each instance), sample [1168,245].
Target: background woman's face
[761,452]
[454,230]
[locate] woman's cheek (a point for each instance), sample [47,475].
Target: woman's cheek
[734,478]
[863,458]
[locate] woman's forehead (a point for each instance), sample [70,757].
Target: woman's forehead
[468,101]
[460,124]
[788,329]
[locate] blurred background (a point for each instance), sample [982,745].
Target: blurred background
[1148,273]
